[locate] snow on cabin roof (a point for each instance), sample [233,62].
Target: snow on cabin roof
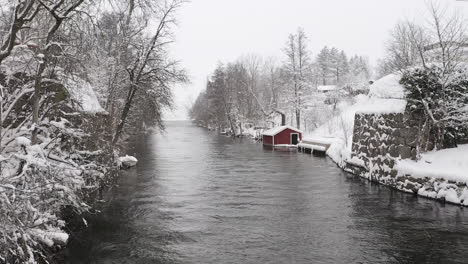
[326,88]
[274,131]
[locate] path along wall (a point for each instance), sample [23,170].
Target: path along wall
[380,140]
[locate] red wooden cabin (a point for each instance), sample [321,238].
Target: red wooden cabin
[282,136]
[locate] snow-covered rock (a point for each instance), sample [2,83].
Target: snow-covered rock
[50,238]
[127,161]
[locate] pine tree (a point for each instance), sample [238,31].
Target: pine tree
[323,61]
[344,66]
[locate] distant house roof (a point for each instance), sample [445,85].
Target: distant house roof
[434,51]
[274,131]
[436,46]
[326,88]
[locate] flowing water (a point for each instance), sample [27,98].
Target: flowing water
[200,197]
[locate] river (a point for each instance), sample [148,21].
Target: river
[200,197]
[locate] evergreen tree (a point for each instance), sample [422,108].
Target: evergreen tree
[344,66]
[323,62]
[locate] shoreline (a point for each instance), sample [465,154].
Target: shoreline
[437,189]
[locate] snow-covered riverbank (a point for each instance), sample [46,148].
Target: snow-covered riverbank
[449,164]
[439,174]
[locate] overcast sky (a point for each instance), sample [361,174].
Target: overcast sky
[212,31]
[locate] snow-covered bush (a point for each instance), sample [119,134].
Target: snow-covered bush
[442,102]
[62,170]
[55,136]
[39,181]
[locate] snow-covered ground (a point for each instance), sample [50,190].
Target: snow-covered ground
[449,164]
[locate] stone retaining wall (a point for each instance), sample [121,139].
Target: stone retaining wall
[379,140]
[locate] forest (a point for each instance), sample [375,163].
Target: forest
[300,88]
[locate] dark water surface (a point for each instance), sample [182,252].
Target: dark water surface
[197,197]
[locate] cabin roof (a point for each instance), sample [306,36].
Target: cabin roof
[276,130]
[326,88]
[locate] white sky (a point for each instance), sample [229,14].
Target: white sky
[212,31]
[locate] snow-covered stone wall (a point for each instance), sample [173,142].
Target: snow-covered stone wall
[379,141]
[380,138]
[382,141]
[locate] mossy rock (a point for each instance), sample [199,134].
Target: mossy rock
[58,91]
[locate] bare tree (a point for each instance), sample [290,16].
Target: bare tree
[450,36]
[297,66]
[150,64]
[24,12]
[441,40]
[405,47]
[59,11]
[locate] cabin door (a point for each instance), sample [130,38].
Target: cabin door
[294,139]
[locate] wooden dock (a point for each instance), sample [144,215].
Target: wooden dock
[315,145]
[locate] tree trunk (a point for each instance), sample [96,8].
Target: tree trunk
[1,124]
[36,102]
[28,12]
[240,129]
[298,118]
[231,125]
[125,111]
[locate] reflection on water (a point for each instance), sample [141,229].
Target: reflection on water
[197,197]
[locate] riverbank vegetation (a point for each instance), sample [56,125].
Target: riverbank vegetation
[76,77]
